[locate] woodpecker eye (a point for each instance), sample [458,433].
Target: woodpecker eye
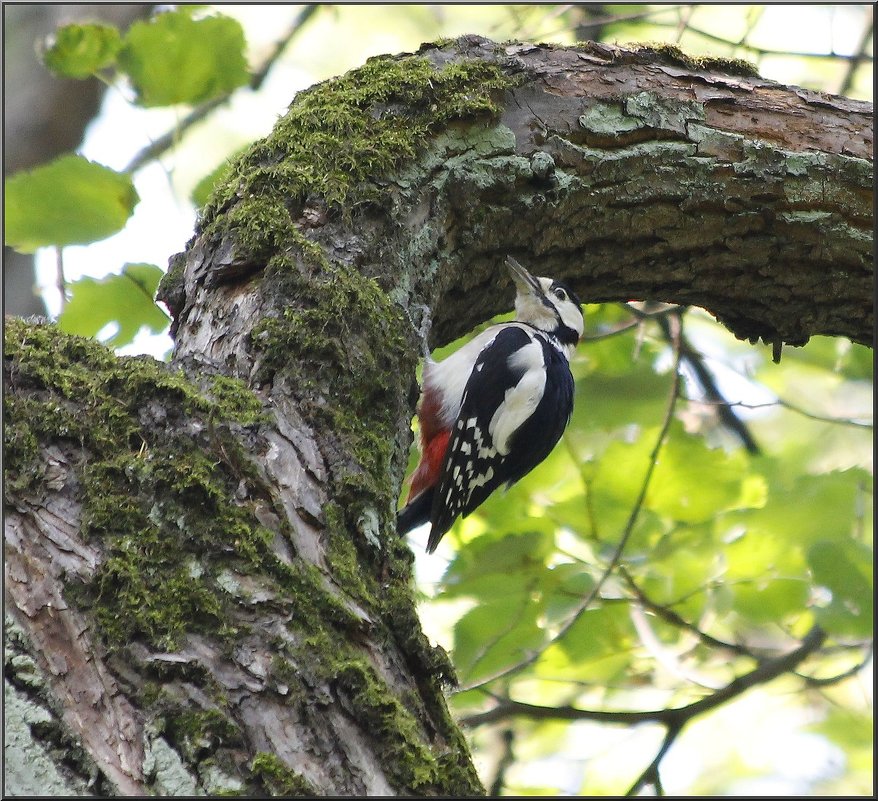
[560,294]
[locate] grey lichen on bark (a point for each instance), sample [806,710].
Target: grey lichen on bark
[226,580]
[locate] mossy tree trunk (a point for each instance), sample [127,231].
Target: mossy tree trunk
[205,592]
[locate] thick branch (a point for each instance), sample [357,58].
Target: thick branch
[674,181]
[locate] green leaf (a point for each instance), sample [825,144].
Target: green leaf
[693,482]
[489,564]
[173,58]
[125,299]
[496,635]
[69,201]
[79,51]
[800,511]
[769,600]
[597,647]
[845,569]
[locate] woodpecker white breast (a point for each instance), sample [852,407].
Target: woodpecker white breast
[494,409]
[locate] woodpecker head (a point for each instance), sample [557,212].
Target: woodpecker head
[546,304]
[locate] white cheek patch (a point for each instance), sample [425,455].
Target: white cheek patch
[521,400]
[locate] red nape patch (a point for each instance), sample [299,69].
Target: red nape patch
[432,457]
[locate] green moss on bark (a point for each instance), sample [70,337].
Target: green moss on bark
[349,131]
[164,486]
[278,779]
[152,487]
[675,55]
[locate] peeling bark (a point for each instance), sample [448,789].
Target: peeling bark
[293,662]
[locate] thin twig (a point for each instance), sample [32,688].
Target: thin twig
[695,361]
[765,51]
[651,774]
[767,670]
[813,681]
[602,21]
[61,281]
[669,616]
[507,758]
[842,421]
[640,315]
[859,54]
[683,16]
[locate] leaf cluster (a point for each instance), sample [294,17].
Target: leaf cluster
[176,57]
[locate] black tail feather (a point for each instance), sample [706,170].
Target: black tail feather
[415,513]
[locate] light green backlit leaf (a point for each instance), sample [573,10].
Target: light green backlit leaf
[173,58]
[693,482]
[496,635]
[78,51]
[70,201]
[844,569]
[126,300]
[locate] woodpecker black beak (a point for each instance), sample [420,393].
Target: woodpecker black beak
[524,281]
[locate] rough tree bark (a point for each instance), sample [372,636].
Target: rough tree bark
[204,588]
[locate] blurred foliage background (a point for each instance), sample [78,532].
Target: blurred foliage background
[679,599]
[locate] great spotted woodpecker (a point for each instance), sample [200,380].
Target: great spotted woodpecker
[494,409]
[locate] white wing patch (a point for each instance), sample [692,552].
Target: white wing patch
[522,399]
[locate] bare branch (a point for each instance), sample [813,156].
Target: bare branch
[767,670]
[695,361]
[860,54]
[767,51]
[813,681]
[61,281]
[507,758]
[669,616]
[842,421]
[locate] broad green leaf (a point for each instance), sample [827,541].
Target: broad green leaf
[69,201]
[607,401]
[693,482]
[845,569]
[690,483]
[173,58]
[598,647]
[125,299]
[564,587]
[680,569]
[769,600]
[78,51]
[498,566]
[496,635]
[801,509]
